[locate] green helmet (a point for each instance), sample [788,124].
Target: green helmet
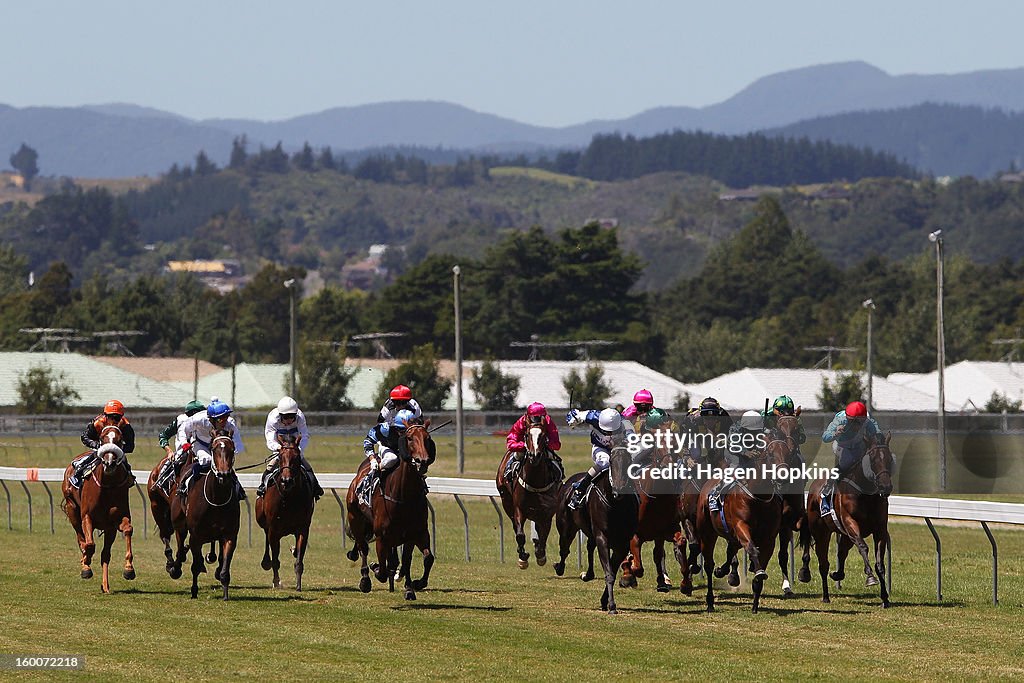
[193,407]
[656,417]
[784,404]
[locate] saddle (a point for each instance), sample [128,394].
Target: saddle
[555,465]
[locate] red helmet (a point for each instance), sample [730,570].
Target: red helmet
[113,408]
[536,409]
[643,397]
[401,393]
[856,409]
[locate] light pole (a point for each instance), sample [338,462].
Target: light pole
[940,355]
[870,305]
[459,425]
[290,286]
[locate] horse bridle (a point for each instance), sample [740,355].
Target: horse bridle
[213,464]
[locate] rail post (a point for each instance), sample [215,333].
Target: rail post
[28,494]
[501,529]
[50,496]
[465,519]
[938,559]
[995,564]
[344,541]
[145,517]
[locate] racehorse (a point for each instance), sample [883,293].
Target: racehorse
[687,539]
[210,513]
[286,508]
[608,517]
[102,503]
[749,517]
[861,509]
[794,511]
[160,506]
[657,517]
[532,494]
[397,514]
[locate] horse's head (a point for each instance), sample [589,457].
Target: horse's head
[882,463]
[618,472]
[222,448]
[536,442]
[420,450]
[290,462]
[111,451]
[788,425]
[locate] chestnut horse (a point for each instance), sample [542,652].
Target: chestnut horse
[532,494]
[286,508]
[102,503]
[657,517]
[210,514]
[750,517]
[861,504]
[686,539]
[397,515]
[608,517]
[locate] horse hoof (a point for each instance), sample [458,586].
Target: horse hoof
[352,555]
[886,605]
[419,584]
[837,576]
[295,551]
[760,575]
[87,573]
[559,568]
[826,600]
[720,572]
[277,584]
[639,573]
[174,572]
[266,564]
[664,588]
[586,576]
[522,564]
[612,610]
[211,557]
[542,560]
[734,580]
[804,575]
[871,581]
[686,590]
[365,584]
[788,592]
[129,574]
[409,595]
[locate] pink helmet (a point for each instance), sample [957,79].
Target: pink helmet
[536,409]
[643,396]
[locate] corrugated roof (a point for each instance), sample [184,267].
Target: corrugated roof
[162,369]
[256,386]
[969,384]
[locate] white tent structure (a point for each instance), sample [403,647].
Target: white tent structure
[969,384]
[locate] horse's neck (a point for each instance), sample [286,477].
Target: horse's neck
[405,478]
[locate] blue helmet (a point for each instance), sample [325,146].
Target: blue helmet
[403,418]
[217,409]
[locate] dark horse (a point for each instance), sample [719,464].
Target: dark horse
[397,515]
[286,508]
[861,503]
[531,494]
[794,511]
[687,543]
[210,513]
[750,517]
[102,503]
[657,517]
[608,518]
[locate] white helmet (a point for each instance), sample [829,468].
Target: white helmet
[752,420]
[287,406]
[610,420]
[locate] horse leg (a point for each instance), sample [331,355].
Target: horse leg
[129,557]
[410,593]
[275,558]
[301,541]
[423,543]
[393,567]
[588,575]
[862,548]
[785,538]
[630,565]
[567,531]
[181,554]
[804,575]
[664,586]
[610,565]
[680,546]
[822,541]
[518,522]
[380,571]
[707,552]
[88,548]
[844,548]
[540,544]
[197,565]
[227,550]
[108,541]
[881,548]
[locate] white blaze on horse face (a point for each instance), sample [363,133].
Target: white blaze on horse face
[534,439]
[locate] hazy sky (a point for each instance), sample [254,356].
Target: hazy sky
[545,62]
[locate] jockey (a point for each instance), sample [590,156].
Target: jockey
[643,401]
[783,405]
[400,398]
[607,431]
[199,430]
[112,415]
[286,418]
[385,436]
[535,414]
[848,433]
[176,453]
[709,420]
[742,437]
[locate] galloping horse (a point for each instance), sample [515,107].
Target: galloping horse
[794,512]
[608,518]
[689,501]
[397,515]
[532,494]
[102,503]
[210,513]
[861,508]
[749,517]
[160,506]
[657,518]
[286,508]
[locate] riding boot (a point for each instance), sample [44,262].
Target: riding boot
[183,489]
[262,488]
[80,466]
[311,476]
[131,473]
[239,490]
[579,489]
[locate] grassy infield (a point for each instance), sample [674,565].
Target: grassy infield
[486,620]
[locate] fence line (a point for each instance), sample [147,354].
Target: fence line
[983,512]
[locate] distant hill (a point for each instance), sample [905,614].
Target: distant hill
[117,140]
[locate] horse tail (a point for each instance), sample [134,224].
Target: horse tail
[806,539]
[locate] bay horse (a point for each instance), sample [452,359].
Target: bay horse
[102,503]
[658,514]
[861,504]
[160,506]
[397,514]
[210,514]
[532,494]
[794,509]
[286,508]
[750,517]
[608,517]
[687,543]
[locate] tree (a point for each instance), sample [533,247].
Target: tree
[419,373]
[999,403]
[24,162]
[848,388]
[203,165]
[41,390]
[304,159]
[493,389]
[239,155]
[322,378]
[589,390]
